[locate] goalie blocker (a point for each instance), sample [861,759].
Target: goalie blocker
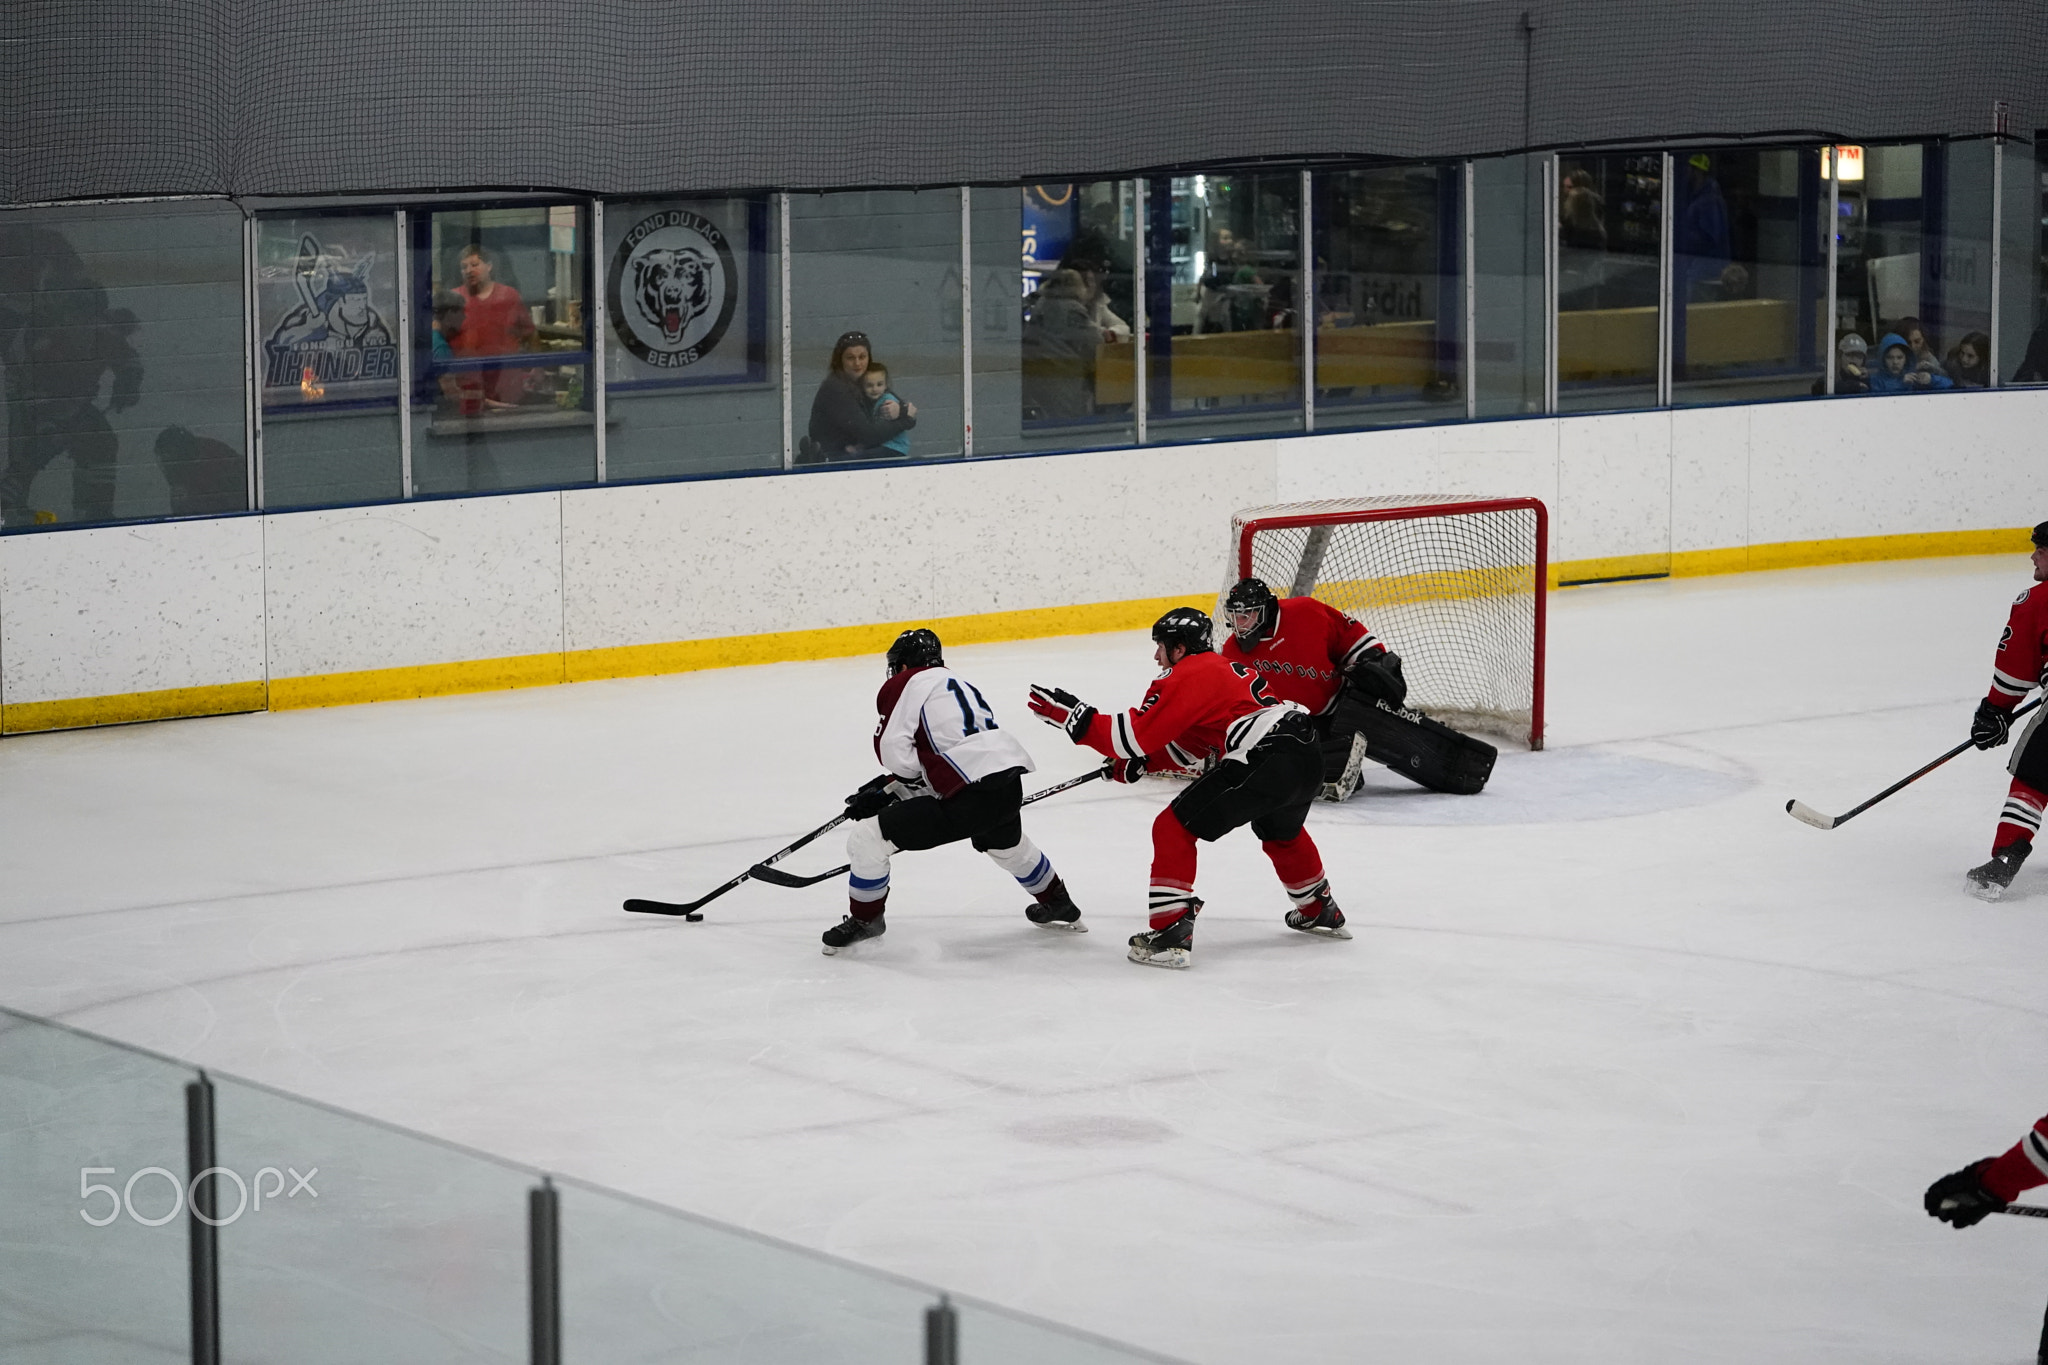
[1425,751]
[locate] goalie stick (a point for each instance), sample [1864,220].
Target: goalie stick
[776,877]
[1806,814]
[689,909]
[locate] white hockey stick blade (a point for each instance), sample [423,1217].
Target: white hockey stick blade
[1806,814]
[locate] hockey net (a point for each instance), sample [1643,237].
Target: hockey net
[1454,585]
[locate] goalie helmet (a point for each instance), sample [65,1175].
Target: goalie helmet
[915,649]
[1186,627]
[1253,601]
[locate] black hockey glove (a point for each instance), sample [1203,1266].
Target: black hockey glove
[1379,677]
[1960,1199]
[872,799]
[1991,726]
[1057,706]
[1124,769]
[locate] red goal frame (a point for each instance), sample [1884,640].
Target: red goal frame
[1413,512]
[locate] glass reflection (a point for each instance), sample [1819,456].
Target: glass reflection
[1610,240]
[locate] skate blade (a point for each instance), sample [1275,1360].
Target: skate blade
[830,951]
[1986,891]
[1172,958]
[1070,926]
[1339,932]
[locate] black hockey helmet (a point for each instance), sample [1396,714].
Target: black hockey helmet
[1251,595]
[2041,536]
[1186,627]
[915,649]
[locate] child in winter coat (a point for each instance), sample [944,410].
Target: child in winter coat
[1895,373]
[874,385]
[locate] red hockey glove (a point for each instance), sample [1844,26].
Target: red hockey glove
[1124,769]
[1057,706]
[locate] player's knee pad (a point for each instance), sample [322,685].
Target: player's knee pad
[868,850]
[1425,751]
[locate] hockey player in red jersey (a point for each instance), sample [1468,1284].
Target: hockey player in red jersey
[1309,652]
[952,774]
[1967,1197]
[2016,669]
[1262,769]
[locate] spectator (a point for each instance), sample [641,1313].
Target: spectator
[448,317]
[1969,364]
[840,424]
[205,476]
[1061,340]
[1852,367]
[495,322]
[874,385]
[1896,373]
[1924,358]
[1703,244]
[1582,213]
[1093,272]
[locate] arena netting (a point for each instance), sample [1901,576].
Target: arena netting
[1454,585]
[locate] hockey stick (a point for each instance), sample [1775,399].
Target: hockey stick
[2025,1210]
[776,877]
[1800,811]
[689,910]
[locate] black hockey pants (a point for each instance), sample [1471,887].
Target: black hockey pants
[984,812]
[1272,792]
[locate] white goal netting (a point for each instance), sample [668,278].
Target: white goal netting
[1454,585]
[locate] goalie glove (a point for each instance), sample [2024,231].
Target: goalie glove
[1124,769]
[1991,726]
[1379,677]
[1960,1198]
[1057,706]
[873,797]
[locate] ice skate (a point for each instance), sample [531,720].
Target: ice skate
[1320,916]
[1988,882]
[1173,946]
[1346,783]
[1055,909]
[850,931]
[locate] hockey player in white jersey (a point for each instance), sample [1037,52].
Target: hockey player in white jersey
[952,774]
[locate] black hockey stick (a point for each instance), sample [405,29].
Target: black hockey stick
[2025,1210]
[1800,811]
[689,910]
[776,877]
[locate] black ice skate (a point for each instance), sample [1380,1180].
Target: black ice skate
[1173,946]
[850,931]
[1320,916]
[1055,909]
[1988,883]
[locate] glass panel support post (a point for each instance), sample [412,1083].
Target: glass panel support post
[966,322]
[1834,155]
[203,1221]
[1666,293]
[402,287]
[600,326]
[942,1333]
[1997,253]
[782,296]
[252,422]
[1470,268]
[1548,227]
[544,1273]
[1305,300]
[1141,323]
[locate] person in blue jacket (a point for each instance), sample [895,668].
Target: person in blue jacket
[1894,372]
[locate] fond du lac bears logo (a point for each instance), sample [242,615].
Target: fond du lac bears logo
[672,288]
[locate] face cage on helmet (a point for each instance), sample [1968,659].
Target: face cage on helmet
[1242,629]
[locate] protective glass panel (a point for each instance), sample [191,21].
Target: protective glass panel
[327,342]
[1610,241]
[1749,275]
[501,349]
[692,362]
[1223,257]
[357,1242]
[875,287]
[1914,267]
[1054,300]
[1508,303]
[92,1201]
[995,1336]
[121,338]
[1390,296]
[2023,265]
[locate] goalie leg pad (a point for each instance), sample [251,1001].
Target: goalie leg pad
[1425,751]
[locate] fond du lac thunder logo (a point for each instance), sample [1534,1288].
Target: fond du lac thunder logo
[672,288]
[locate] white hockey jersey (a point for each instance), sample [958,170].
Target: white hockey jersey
[938,728]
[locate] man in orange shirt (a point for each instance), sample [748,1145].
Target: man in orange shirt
[495,322]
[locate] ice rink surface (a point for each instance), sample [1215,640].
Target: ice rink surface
[1622,1065]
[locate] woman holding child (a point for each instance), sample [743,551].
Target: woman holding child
[845,421]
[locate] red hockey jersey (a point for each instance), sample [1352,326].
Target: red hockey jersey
[2023,1167]
[1305,658]
[1190,714]
[2022,649]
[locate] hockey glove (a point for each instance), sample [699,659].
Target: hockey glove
[1379,677]
[1960,1199]
[1124,769]
[1057,706]
[1991,726]
[873,797]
